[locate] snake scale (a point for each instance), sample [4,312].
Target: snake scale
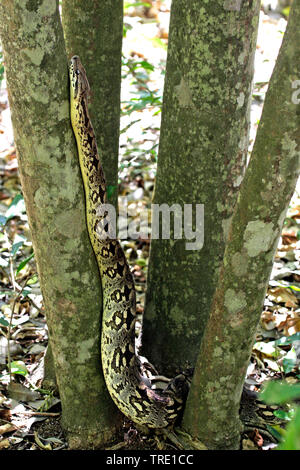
[132,391]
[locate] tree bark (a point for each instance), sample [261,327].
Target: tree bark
[38,85]
[202,157]
[94,31]
[256,226]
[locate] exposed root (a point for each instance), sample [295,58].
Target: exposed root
[183,440]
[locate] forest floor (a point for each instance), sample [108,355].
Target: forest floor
[29,415]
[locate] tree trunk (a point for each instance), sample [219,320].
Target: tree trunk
[256,226]
[202,156]
[94,31]
[38,85]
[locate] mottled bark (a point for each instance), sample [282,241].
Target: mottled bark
[94,30]
[38,85]
[212,409]
[202,156]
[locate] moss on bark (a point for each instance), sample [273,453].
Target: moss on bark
[202,156]
[213,405]
[38,85]
[94,30]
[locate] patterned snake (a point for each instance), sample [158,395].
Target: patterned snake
[131,389]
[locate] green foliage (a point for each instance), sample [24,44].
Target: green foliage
[16,209]
[282,393]
[285,340]
[278,392]
[128,5]
[15,247]
[24,263]
[277,355]
[18,367]
[292,437]
[15,254]
[135,4]
[145,97]
[286,11]
[157,42]
[3,320]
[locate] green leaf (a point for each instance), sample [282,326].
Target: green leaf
[287,339]
[129,125]
[157,42]
[291,439]
[156,112]
[24,262]
[32,280]
[15,247]
[3,321]
[136,4]
[16,208]
[289,361]
[277,392]
[267,348]
[18,367]
[290,287]
[141,262]
[146,65]
[284,415]
[286,11]
[126,27]
[288,365]
[25,292]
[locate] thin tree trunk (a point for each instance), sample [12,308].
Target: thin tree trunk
[94,30]
[202,156]
[256,226]
[38,85]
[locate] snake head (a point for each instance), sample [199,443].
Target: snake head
[79,82]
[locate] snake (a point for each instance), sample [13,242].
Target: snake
[134,391]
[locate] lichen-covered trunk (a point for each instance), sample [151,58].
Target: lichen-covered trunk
[202,156]
[94,30]
[212,409]
[37,79]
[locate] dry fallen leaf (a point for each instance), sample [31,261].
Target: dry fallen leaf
[284,296]
[5,428]
[15,349]
[268,320]
[257,438]
[292,324]
[294,212]
[5,414]
[21,393]
[4,444]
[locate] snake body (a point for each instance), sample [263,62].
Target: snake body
[130,389]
